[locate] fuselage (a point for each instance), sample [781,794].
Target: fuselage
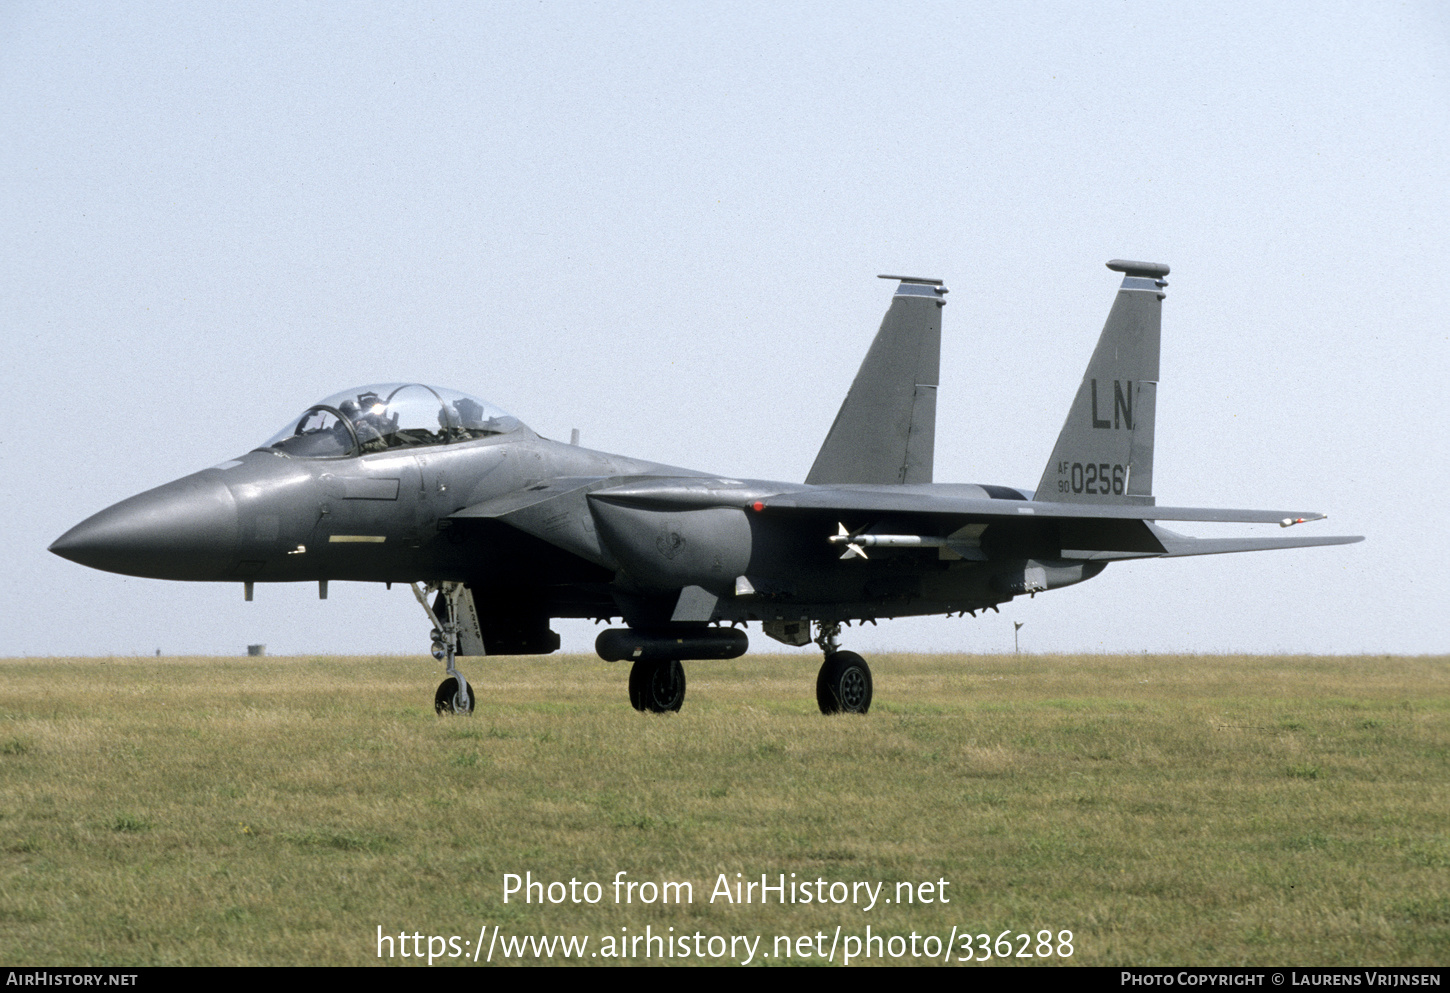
[404,515]
[268,517]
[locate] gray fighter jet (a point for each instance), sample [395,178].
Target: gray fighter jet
[498,530]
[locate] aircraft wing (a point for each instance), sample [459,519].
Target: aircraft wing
[1087,531]
[965,501]
[557,511]
[909,500]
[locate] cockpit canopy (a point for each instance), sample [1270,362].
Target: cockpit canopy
[389,415]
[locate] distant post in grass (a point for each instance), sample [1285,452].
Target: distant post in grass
[1016,626]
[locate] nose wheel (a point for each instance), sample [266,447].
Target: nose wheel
[448,701]
[658,687]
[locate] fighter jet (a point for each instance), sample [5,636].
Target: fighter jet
[498,531]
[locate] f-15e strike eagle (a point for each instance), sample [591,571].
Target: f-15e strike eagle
[499,530]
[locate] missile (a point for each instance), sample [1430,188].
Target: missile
[964,543]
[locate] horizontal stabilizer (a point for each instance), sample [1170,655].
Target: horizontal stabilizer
[1178,545]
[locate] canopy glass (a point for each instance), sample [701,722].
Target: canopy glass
[389,415]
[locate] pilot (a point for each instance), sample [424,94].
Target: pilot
[340,433]
[448,424]
[370,427]
[472,414]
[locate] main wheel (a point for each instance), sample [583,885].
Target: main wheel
[657,686]
[447,690]
[844,684]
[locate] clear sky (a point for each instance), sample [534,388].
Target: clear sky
[661,223]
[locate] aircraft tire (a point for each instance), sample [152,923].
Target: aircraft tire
[447,690]
[658,687]
[844,684]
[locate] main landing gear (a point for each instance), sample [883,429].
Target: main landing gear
[843,685]
[656,679]
[454,695]
[658,687]
[657,682]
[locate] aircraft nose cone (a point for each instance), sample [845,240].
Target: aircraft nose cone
[183,530]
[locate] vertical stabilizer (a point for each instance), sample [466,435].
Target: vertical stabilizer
[1105,451]
[885,431]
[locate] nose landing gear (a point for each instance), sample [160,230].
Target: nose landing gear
[843,685]
[454,695]
[448,701]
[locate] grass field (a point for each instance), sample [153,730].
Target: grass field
[1165,810]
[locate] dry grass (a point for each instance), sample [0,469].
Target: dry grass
[1167,810]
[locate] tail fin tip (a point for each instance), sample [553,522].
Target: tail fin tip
[1128,267]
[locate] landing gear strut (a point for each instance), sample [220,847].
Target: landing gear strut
[844,683]
[454,695]
[657,686]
